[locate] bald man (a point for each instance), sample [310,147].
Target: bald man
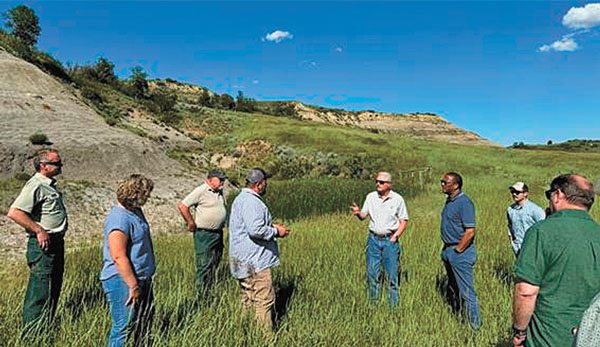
[558,268]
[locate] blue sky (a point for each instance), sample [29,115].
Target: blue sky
[510,71]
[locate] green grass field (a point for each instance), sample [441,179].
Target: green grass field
[321,283]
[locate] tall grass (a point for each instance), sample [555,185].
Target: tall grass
[321,286]
[294,199]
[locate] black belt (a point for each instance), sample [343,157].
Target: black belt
[381,237]
[446,245]
[50,235]
[210,230]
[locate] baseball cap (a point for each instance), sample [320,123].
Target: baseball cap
[519,186]
[216,173]
[257,175]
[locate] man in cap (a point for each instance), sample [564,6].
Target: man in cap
[40,209]
[209,206]
[521,215]
[388,220]
[253,248]
[558,268]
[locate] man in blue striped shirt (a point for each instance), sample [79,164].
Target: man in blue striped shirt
[252,247]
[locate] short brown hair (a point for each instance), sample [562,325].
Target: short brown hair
[133,190]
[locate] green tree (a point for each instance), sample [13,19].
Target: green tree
[226,102]
[138,82]
[23,23]
[165,100]
[204,99]
[104,71]
[244,104]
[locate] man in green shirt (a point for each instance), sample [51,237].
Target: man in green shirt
[40,209]
[558,268]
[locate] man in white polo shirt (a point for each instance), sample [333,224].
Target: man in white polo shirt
[209,206]
[388,220]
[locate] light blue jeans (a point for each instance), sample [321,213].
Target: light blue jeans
[380,251]
[459,268]
[129,321]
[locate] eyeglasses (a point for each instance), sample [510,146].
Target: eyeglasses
[549,193]
[444,183]
[381,182]
[55,163]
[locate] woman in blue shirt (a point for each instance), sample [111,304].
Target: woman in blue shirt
[129,263]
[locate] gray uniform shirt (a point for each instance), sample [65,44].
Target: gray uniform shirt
[43,202]
[385,214]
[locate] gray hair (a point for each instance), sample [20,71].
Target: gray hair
[387,175]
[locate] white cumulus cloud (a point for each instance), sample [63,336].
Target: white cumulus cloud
[583,17]
[338,49]
[566,44]
[279,35]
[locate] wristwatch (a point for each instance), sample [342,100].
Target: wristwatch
[519,332]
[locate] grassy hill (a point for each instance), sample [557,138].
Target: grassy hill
[321,168]
[575,145]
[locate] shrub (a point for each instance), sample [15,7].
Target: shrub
[22,176]
[92,95]
[38,138]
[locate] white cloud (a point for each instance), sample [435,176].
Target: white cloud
[566,44]
[279,35]
[583,17]
[338,49]
[255,82]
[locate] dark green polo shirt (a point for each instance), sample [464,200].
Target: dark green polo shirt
[561,255]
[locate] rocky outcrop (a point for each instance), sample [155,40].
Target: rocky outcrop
[32,101]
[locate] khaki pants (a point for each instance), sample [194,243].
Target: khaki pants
[257,290]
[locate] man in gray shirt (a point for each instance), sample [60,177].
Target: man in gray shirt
[252,247]
[40,209]
[208,203]
[389,218]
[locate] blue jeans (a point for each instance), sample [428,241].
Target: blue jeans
[380,251]
[459,268]
[133,320]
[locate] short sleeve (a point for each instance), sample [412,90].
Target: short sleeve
[530,263]
[118,221]
[365,208]
[402,213]
[539,214]
[193,198]
[468,214]
[27,198]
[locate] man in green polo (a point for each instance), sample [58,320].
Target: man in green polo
[558,268]
[209,206]
[40,209]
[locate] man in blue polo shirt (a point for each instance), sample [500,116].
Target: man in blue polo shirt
[458,253]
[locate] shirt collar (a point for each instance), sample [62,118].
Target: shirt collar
[451,199]
[45,180]
[571,214]
[250,191]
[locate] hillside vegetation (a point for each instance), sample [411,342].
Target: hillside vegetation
[323,160]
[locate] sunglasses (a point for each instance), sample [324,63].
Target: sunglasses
[55,163]
[381,182]
[516,192]
[445,182]
[549,193]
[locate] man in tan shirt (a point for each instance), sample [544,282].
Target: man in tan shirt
[209,206]
[40,209]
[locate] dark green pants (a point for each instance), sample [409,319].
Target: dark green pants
[208,245]
[45,281]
